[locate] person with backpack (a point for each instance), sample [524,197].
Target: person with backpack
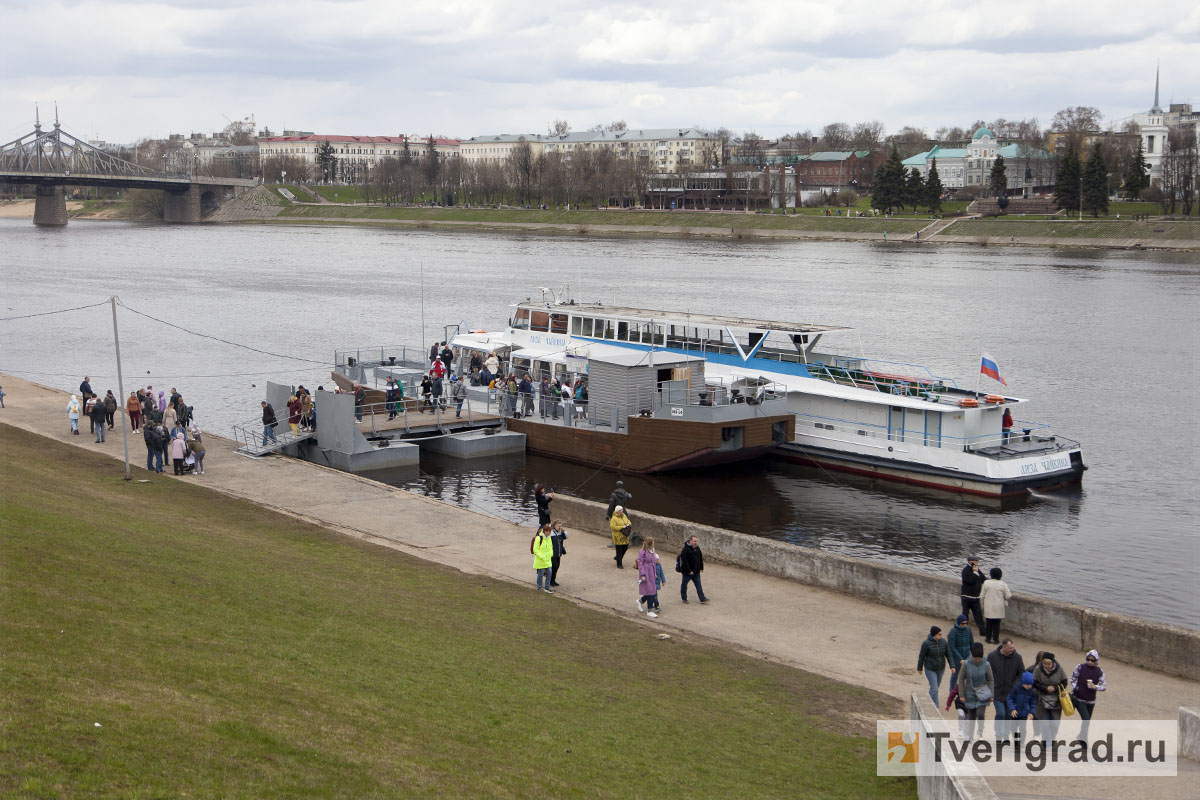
[977,687]
[690,563]
[647,563]
[73,414]
[542,549]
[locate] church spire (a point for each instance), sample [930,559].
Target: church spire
[1156,109]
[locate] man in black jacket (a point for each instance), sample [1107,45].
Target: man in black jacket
[1007,666]
[972,584]
[97,416]
[154,459]
[619,497]
[692,564]
[269,423]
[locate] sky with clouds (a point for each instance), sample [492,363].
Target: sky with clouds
[128,69]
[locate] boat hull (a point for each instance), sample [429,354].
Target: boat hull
[930,476]
[655,445]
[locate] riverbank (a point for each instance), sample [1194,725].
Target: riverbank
[832,634]
[263,205]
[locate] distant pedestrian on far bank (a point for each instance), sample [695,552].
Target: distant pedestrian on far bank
[972,584]
[621,527]
[619,497]
[647,563]
[994,597]
[691,564]
[543,500]
[543,553]
[932,660]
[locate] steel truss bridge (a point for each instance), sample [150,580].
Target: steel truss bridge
[53,159]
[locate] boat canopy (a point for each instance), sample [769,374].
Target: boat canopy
[681,318]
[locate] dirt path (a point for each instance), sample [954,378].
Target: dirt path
[824,632]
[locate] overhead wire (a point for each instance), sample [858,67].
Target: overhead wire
[49,313]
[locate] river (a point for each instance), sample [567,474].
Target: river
[1105,343]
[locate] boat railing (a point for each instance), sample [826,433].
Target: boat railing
[1025,437]
[720,391]
[404,415]
[382,355]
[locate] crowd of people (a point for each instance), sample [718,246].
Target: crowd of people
[167,424]
[547,549]
[1017,693]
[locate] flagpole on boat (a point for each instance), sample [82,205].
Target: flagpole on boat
[979,375]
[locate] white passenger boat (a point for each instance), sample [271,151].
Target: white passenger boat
[893,421]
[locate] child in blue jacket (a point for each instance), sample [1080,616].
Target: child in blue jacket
[1022,703]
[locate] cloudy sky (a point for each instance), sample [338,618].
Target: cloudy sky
[124,70]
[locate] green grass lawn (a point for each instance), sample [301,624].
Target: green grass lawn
[1073,229]
[227,651]
[651,219]
[340,194]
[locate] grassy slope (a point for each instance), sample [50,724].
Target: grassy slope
[231,652]
[1073,229]
[697,219]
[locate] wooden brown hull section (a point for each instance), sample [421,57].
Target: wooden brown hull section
[653,445]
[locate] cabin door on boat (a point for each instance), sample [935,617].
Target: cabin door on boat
[895,424]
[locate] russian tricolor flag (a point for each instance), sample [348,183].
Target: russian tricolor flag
[989,368]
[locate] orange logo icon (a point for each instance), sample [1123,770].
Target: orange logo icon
[902,748]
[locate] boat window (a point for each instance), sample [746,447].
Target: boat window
[587,327]
[521,318]
[558,323]
[540,321]
[623,331]
[660,336]
[647,333]
[577,325]
[608,328]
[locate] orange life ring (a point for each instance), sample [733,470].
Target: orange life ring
[968,402]
[995,398]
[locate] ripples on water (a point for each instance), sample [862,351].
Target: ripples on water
[1105,343]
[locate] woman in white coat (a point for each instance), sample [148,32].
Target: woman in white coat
[994,597]
[73,414]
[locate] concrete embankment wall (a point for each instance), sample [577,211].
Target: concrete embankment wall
[965,783]
[1164,648]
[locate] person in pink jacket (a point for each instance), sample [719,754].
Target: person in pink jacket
[178,452]
[647,563]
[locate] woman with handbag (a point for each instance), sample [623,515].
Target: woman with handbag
[647,562]
[1050,683]
[977,686]
[621,528]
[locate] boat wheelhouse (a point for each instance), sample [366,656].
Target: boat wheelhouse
[895,421]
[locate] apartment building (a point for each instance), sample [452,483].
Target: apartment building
[354,150]
[662,149]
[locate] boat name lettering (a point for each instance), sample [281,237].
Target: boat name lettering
[560,341]
[1055,463]
[676,412]
[1029,469]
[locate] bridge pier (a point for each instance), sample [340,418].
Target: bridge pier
[182,206]
[50,206]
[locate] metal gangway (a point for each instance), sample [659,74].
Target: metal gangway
[249,436]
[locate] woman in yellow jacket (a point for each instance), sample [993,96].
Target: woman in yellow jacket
[543,552]
[621,529]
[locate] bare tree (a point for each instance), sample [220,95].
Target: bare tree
[240,132]
[867,136]
[560,127]
[1180,161]
[753,150]
[521,165]
[835,136]
[909,141]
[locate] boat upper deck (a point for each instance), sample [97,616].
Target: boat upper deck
[662,317]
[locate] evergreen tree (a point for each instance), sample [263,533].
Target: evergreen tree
[430,164]
[914,188]
[933,189]
[327,160]
[889,184]
[1066,188]
[1138,177]
[998,181]
[406,153]
[1095,182]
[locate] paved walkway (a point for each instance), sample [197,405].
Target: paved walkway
[821,631]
